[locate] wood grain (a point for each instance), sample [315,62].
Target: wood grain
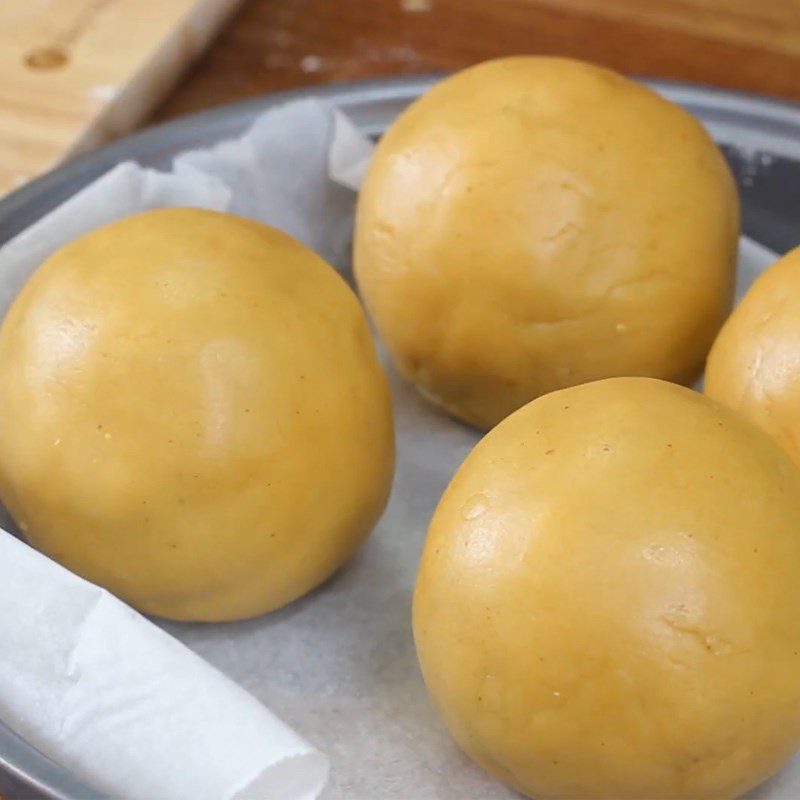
[280,44]
[74,73]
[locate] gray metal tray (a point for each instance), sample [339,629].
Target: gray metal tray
[760,137]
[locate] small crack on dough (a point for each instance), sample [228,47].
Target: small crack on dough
[597,307]
[754,373]
[755,390]
[648,277]
[567,227]
[712,643]
[545,323]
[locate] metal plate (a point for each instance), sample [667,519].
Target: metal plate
[760,137]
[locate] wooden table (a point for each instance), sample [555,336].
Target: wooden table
[279,44]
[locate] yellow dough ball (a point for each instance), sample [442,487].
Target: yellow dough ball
[754,365]
[534,223]
[192,414]
[607,604]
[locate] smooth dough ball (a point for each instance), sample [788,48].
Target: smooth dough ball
[754,365]
[534,223]
[607,604]
[192,414]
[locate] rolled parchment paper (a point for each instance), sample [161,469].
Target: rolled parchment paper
[110,696]
[84,678]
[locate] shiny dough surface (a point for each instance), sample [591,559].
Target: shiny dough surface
[607,603]
[754,365]
[533,223]
[192,414]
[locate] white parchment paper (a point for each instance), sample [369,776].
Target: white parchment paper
[107,694]
[338,665]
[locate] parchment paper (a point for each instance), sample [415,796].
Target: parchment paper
[107,694]
[339,665]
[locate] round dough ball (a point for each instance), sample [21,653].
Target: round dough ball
[192,414]
[754,365]
[607,605]
[534,223]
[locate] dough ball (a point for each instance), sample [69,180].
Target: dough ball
[192,414]
[534,223]
[607,604]
[754,365]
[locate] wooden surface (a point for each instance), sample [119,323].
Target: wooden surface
[280,44]
[74,73]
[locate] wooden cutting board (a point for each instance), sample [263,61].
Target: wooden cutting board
[75,73]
